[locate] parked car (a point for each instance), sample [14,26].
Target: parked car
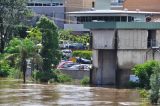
[67,52]
[83,61]
[65,64]
[76,46]
[64,44]
[84,67]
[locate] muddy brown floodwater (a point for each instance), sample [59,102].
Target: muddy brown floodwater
[14,93]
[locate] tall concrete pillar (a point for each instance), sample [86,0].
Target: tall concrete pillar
[102,4]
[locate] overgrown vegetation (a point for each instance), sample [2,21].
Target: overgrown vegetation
[83,54]
[144,93]
[85,80]
[155,85]
[53,76]
[144,71]
[60,77]
[149,79]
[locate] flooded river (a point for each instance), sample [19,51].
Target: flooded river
[14,93]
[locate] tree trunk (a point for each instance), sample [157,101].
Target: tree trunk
[1,35]
[24,71]
[24,64]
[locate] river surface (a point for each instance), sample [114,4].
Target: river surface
[14,93]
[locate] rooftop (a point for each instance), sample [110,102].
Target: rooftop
[112,12]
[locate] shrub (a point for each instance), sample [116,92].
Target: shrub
[144,71]
[155,85]
[133,84]
[42,76]
[82,53]
[144,93]
[60,77]
[4,68]
[85,81]
[52,76]
[15,73]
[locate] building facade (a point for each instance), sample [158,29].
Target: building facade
[77,26]
[57,9]
[142,5]
[53,9]
[121,39]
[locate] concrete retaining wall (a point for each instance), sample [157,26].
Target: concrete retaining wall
[78,74]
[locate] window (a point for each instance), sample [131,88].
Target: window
[61,4]
[48,4]
[53,4]
[117,19]
[106,18]
[93,4]
[38,4]
[130,19]
[151,38]
[44,4]
[111,19]
[30,4]
[123,19]
[56,4]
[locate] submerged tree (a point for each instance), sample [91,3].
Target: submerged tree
[49,52]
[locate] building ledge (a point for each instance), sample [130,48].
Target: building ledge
[122,25]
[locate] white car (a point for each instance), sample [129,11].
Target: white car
[84,67]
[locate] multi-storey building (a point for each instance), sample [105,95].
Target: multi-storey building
[56,9]
[76,24]
[120,40]
[53,9]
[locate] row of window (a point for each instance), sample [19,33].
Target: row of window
[105,18]
[45,4]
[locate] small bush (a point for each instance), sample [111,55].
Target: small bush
[15,73]
[53,76]
[144,71]
[144,93]
[83,54]
[133,84]
[85,81]
[4,68]
[60,77]
[42,76]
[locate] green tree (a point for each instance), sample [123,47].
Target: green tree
[21,50]
[49,52]
[11,12]
[155,84]
[35,35]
